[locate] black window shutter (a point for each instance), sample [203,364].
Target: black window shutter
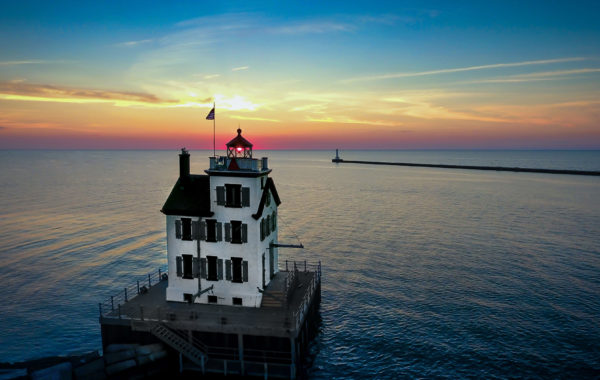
[228,270]
[219,231]
[195,269]
[245,197]
[244,271]
[227,231]
[244,233]
[203,268]
[220,269]
[202,235]
[179,262]
[178,229]
[221,195]
[274,220]
[263,270]
[262,229]
[195,232]
[268,224]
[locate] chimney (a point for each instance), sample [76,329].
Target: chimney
[184,164]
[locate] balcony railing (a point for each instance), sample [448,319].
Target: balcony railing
[221,163]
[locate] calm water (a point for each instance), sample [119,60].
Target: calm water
[427,272]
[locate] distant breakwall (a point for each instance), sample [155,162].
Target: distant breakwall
[474,167]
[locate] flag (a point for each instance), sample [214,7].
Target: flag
[211,114]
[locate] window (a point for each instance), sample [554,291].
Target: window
[188,297]
[187,266]
[212,268]
[212,299]
[211,230]
[186,226]
[233,195]
[236,232]
[268,200]
[237,301]
[236,269]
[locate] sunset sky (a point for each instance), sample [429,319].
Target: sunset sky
[304,75]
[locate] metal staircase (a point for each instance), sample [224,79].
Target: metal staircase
[195,351]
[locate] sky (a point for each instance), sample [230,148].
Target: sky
[300,75]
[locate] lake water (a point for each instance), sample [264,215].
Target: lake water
[426,272]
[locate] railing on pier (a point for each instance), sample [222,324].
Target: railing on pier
[290,285]
[111,307]
[114,302]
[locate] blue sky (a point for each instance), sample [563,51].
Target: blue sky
[429,74]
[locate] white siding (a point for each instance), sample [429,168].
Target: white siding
[252,251]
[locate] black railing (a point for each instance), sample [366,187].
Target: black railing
[114,302]
[111,307]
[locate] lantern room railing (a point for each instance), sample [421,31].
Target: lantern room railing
[221,163]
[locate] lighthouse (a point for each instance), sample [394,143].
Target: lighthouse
[226,304]
[222,229]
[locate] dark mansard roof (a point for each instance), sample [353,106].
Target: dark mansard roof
[190,197]
[270,185]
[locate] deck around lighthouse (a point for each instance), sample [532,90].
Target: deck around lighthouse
[269,341]
[282,316]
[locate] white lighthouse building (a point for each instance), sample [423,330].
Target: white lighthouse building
[222,229]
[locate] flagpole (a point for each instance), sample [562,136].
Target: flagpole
[214,131]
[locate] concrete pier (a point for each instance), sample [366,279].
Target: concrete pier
[338,160]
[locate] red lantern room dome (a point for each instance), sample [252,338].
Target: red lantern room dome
[239,147]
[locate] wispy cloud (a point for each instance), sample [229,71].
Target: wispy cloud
[212,76]
[460,69]
[558,73]
[24,62]
[43,92]
[534,77]
[240,68]
[224,102]
[312,27]
[134,43]
[346,120]
[241,117]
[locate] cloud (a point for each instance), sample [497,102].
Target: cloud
[134,43]
[460,69]
[534,77]
[212,76]
[25,62]
[240,68]
[558,73]
[340,24]
[346,120]
[223,102]
[240,117]
[44,92]
[312,27]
